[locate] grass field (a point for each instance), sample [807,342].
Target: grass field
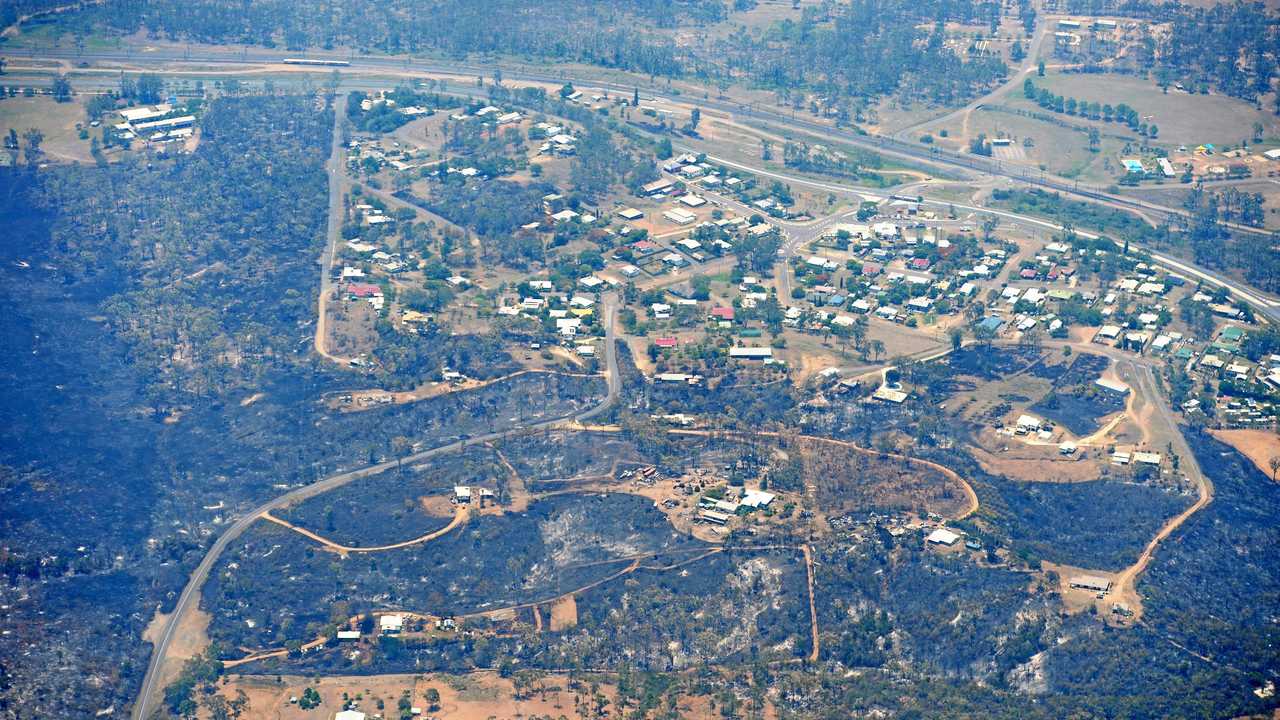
[56,120]
[1060,150]
[1183,119]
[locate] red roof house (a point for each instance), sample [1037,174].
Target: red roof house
[722,313]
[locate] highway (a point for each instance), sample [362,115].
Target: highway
[966,163]
[882,144]
[798,237]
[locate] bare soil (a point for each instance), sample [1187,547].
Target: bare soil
[1260,446]
[478,696]
[564,613]
[190,639]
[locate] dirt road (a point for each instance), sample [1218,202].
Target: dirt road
[189,599]
[950,474]
[1125,587]
[460,515]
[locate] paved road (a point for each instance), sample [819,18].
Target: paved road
[965,163]
[337,187]
[883,144]
[189,599]
[1143,378]
[1029,63]
[799,236]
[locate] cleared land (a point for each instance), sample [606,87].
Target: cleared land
[1260,446]
[56,120]
[479,696]
[1183,118]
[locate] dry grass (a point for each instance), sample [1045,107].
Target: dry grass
[190,639]
[1182,118]
[56,120]
[478,696]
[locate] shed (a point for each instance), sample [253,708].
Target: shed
[1091,582]
[942,536]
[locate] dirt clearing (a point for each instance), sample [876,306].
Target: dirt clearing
[1260,446]
[478,696]
[564,613]
[190,639]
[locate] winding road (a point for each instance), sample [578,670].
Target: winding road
[798,236]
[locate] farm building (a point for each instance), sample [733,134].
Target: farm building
[711,516]
[942,536]
[391,624]
[1091,582]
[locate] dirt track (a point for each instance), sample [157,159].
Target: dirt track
[460,515]
[946,471]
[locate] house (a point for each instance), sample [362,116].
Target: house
[461,494]
[630,214]
[888,312]
[693,200]
[645,247]
[349,715]
[391,624]
[991,324]
[1028,423]
[1212,361]
[821,263]
[942,536]
[751,353]
[722,313]
[1107,334]
[348,635]
[665,342]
